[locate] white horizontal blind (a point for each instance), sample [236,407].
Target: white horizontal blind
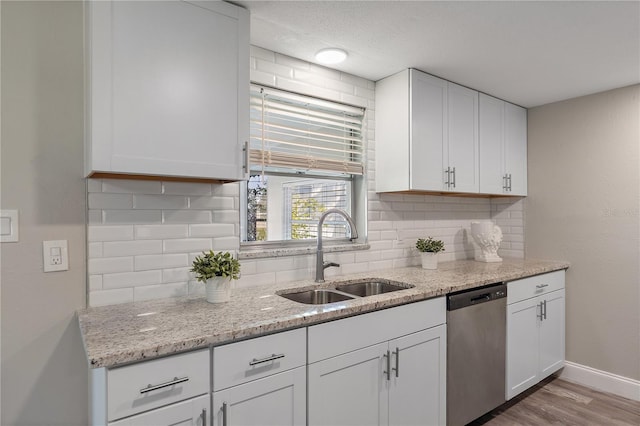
[292,134]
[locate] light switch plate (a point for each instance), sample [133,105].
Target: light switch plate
[55,255]
[9,226]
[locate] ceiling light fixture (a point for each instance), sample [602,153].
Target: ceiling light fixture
[331,56]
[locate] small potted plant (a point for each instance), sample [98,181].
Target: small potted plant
[216,270]
[429,249]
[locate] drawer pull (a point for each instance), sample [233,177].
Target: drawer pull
[175,381]
[273,357]
[542,285]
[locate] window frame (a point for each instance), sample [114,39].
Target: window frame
[358,200]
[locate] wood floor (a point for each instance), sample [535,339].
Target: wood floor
[558,402]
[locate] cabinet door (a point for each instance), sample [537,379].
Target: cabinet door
[349,389]
[462,153]
[418,380]
[516,148]
[522,345]
[277,400]
[552,333]
[192,412]
[428,118]
[491,145]
[168,92]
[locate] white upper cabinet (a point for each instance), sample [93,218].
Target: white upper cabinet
[503,147]
[167,89]
[426,135]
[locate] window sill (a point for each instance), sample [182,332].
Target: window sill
[263,252]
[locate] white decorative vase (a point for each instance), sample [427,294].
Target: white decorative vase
[429,260]
[218,289]
[488,236]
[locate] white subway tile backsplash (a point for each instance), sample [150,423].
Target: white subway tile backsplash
[188,245]
[131,248]
[161,261]
[110,233]
[158,202]
[94,250]
[211,230]
[226,216]
[110,297]
[186,188]
[176,275]
[131,186]
[131,279]
[149,292]
[226,243]
[110,265]
[162,226]
[100,200]
[132,216]
[186,216]
[94,185]
[160,232]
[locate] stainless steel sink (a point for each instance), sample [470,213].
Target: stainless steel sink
[317,297]
[370,288]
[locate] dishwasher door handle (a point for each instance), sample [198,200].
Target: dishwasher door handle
[481,298]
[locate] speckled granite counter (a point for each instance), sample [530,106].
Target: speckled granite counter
[120,334]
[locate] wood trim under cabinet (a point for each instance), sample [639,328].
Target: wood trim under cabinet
[100,175]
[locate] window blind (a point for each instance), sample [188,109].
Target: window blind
[292,133]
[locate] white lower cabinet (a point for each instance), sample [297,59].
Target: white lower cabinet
[398,381]
[193,412]
[535,330]
[277,400]
[261,381]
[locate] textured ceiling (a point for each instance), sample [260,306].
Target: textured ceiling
[529,53]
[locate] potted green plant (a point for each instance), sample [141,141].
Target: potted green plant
[429,249]
[216,270]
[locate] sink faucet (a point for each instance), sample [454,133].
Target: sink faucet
[321,265]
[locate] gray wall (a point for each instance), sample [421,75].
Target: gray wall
[583,206]
[44,379]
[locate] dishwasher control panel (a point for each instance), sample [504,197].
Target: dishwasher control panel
[475,296]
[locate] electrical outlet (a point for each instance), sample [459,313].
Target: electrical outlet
[55,256]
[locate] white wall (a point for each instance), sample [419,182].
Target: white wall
[44,373]
[144,235]
[583,206]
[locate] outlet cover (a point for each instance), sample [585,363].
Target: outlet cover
[55,255]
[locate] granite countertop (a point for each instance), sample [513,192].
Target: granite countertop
[121,334]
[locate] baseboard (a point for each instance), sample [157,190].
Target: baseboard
[601,380]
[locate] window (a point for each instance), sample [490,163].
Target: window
[306,157]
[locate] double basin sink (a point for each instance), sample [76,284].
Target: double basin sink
[344,291]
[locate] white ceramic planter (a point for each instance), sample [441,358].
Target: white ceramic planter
[218,289]
[429,260]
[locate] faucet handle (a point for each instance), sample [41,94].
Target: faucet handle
[326,265]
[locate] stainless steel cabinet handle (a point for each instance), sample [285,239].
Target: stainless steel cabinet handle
[273,357]
[454,177]
[540,315]
[447,181]
[245,151]
[505,187]
[175,381]
[509,182]
[204,417]
[397,369]
[387,372]
[224,414]
[545,309]
[542,285]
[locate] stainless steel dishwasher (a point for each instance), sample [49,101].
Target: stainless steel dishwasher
[476,338]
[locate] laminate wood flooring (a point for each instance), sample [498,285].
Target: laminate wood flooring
[560,403]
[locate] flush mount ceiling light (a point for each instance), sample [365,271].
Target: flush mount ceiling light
[331,56]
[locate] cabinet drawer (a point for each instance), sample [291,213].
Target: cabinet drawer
[242,362]
[345,335]
[147,385]
[534,286]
